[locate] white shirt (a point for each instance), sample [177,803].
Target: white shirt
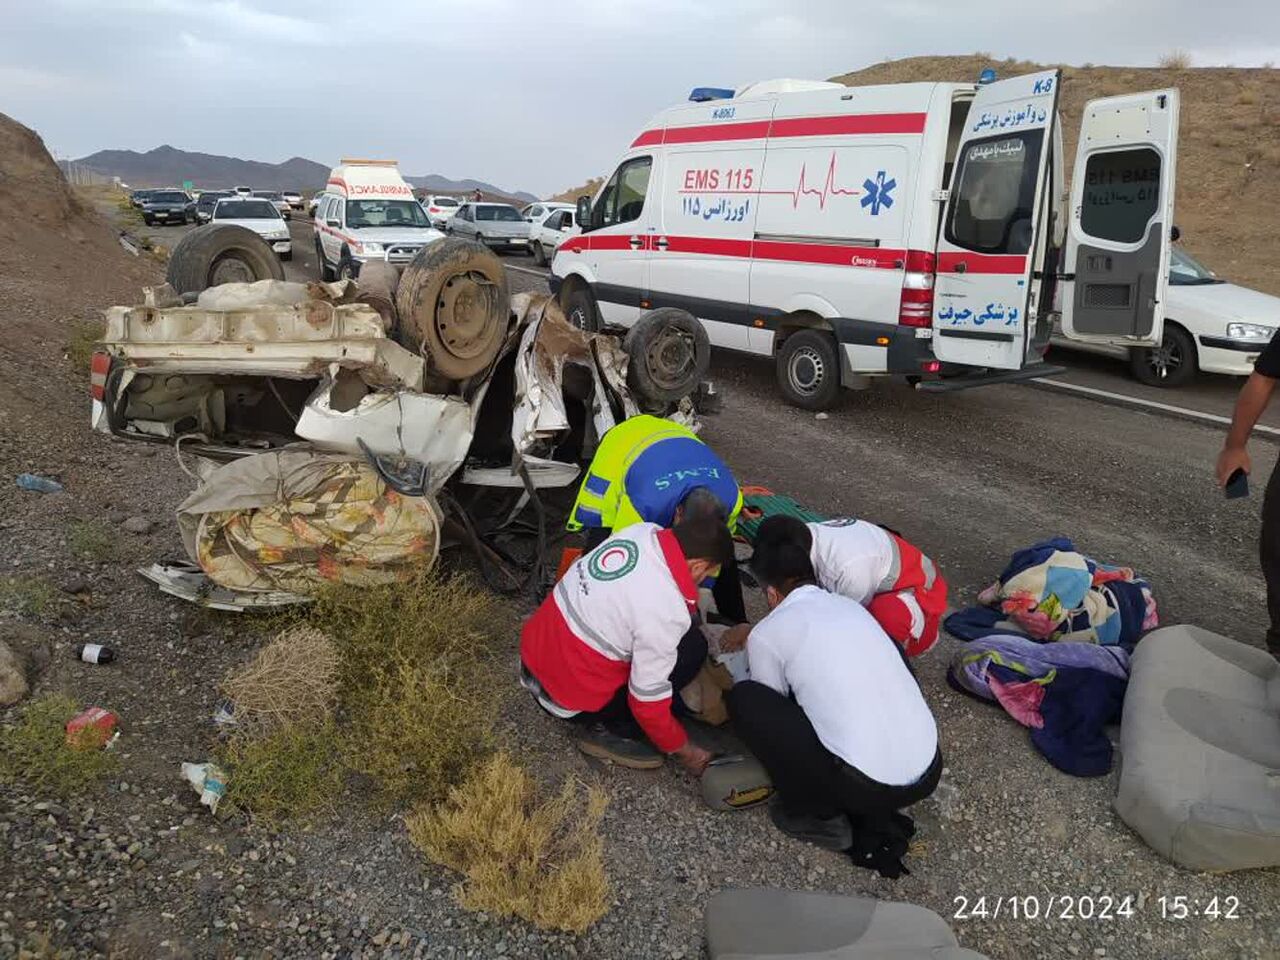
[853,558]
[851,682]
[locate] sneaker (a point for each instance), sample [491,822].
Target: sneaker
[829,833]
[596,741]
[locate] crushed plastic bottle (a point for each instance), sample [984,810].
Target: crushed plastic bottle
[38,484]
[209,781]
[946,797]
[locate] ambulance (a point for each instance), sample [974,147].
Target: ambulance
[368,212]
[919,230]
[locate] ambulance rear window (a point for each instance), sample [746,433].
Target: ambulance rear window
[1121,194]
[994,193]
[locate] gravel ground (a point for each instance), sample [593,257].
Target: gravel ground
[138,869]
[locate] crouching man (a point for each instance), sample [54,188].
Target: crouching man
[835,715]
[616,639]
[891,577]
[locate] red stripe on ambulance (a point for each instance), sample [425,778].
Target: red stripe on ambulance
[997,263]
[839,125]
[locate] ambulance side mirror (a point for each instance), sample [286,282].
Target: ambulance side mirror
[584,213]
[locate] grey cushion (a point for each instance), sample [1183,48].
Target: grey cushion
[777,924]
[1200,750]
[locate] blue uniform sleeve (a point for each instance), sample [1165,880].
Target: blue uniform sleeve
[662,476]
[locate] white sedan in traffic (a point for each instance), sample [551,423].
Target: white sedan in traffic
[1210,325]
[260,216]
[547,235]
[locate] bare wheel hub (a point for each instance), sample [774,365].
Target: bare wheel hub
[806,370]
[462,314]
[670,357]
[229,268]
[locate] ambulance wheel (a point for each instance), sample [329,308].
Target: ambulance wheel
[220,253]
[668,354]
[453,305]
[347,269]
[809,369]
[580,309]
[326,271]
[1171,364]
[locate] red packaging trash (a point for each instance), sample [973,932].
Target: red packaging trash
[92,727]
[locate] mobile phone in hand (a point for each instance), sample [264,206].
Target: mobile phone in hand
[1237,484]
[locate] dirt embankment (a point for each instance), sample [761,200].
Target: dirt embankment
[60,265]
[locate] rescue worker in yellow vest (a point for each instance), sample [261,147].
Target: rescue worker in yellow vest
[652,470]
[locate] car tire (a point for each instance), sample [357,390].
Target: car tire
[539,255]
[668,354]
[809,369]
[286,257]
[580,308]
[322,265]
[149,221]
[220,253]
[1172,364]
[454,307]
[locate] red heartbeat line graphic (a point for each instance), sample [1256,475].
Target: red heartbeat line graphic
[828,188]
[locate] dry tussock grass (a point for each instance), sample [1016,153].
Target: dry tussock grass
[520,855]
[293,679]
[291,772]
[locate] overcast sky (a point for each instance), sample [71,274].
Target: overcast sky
[524,94]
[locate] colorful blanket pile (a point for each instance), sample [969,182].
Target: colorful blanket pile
[1066,693]
[1051,592]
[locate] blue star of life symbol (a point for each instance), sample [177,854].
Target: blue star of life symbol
[878,191]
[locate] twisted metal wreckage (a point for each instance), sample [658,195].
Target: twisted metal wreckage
[347,431]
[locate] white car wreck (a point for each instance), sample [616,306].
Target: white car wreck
[433,386]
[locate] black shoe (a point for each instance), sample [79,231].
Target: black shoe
[597,741]
[830,833]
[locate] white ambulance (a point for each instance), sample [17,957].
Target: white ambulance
[918,230]
[368,212]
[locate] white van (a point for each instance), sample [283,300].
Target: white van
[918,229]
[368,212]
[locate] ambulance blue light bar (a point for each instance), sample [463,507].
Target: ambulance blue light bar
[987,76]
[703,94]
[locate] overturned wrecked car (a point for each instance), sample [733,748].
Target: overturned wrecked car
[346,431]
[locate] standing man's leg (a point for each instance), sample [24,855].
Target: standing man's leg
[1269,549]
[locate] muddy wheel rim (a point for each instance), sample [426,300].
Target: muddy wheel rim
[230,268]
[670,358]
[1166,359]
[462,316]
[578,316]
[806,370]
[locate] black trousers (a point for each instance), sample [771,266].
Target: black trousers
[809,779]
[1269,550]
[616,714]
[727,591]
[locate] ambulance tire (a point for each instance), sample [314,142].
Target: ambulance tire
[668,354]
[220,253]
[580,308]
[326,272]
[453,304]
[809,369]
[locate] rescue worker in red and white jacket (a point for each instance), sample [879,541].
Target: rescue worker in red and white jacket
[891,577]
[616,640]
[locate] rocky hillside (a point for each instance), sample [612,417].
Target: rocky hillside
[1228,151]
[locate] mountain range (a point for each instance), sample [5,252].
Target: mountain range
[167,166]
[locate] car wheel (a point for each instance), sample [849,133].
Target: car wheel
[539,255]
[326,271]
[220,253]
[809,369]
[149,221]
[1171,364]
[580,309]
[286,257]
[453,305]
[668,354]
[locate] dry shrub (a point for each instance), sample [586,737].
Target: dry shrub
[291,772]
[1175,60]
[1247,97]
[35,749]
[538,859]
[82,341]
[418,679]
[293,679]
